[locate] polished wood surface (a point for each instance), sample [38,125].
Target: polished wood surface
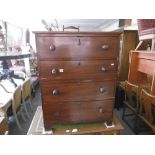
[77,47]
[78,112]
[83,91]
[77,73]
[67,70]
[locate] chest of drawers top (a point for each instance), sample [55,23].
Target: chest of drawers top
[67,33]
[79,45]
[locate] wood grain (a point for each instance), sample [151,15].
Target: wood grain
[78,73]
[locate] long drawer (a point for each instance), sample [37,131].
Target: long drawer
[77,47]
[77,112]
[82,91]
[65,70]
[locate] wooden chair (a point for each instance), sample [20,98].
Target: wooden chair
[131,103]
[26,94]
[147,109]
[146,31]
[16,105]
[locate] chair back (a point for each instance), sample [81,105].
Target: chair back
[146,28]
[16,101]
[131,94]
[26,89]
[147,106]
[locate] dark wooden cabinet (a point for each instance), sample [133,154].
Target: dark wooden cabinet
[129,41]
[77,72]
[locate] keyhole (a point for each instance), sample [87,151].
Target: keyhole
[79,42]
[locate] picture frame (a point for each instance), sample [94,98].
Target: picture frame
[14,36]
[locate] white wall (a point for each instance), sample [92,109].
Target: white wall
[112,27]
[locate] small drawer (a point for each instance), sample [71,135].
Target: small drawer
[77,112]
[77,47]
[66,70]
[80,91]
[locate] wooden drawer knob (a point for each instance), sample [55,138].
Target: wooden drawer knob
[52,47]
[105,47]
[103,69]
[102,90]
[55,71]
[100,110]
[56,92]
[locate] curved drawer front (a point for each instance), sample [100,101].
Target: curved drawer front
[84,91]
[78,112]
[65,70]
[77,47]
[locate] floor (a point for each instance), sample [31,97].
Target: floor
[37,101]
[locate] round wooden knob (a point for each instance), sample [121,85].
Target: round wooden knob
[100,110]
[103,69]
[52,47]
[54,71]
[105,47]
[55,92]
[102,90]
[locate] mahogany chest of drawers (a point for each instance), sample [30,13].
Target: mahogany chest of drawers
[78,73]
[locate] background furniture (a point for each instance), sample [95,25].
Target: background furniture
[16,106]
[146,31]
[131,103]
[128,41]
[141,65]
[26,92]
[147,109]
[78,72]
[3,126]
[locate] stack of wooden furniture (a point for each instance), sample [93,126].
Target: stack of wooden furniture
[78,73]
[142,64]
[128,41]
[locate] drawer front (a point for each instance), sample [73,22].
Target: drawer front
[77,47]
[77,112]
[84,91]
[65,70]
